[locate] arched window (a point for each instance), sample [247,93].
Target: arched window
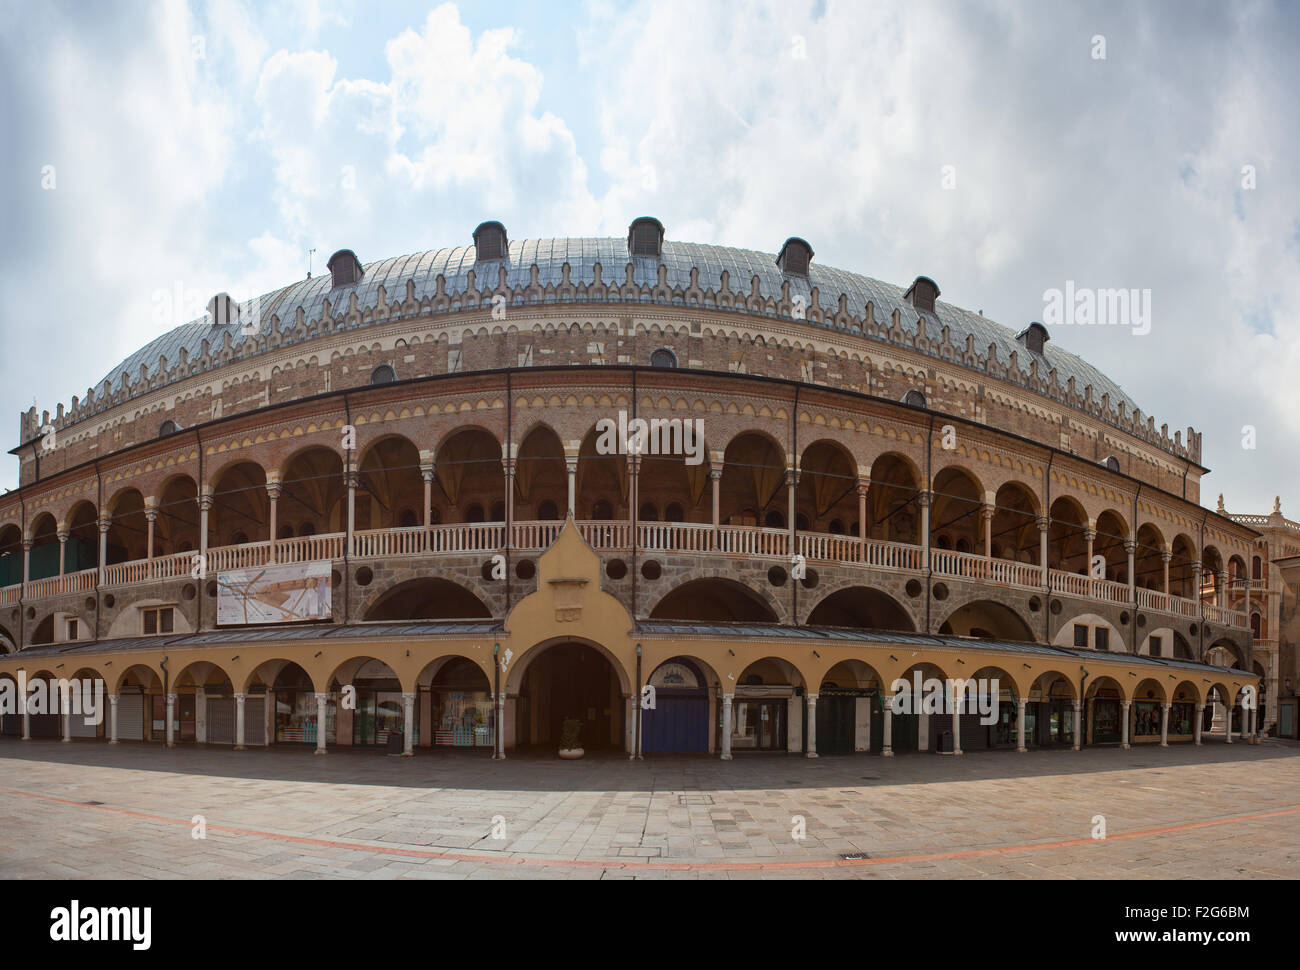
[168,427]
[674,513]
[383,374]
[407,519]
[475,513]
[602,511]
[498,511]
[801,522]
[1257,568]
[774,520]
[914,398]
[307,529]
[1112,463]
[239,539]
[836,528]
[649,513]
[284,532]
[548,511]
[663,357]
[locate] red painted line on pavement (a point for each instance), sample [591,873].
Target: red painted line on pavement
[675,866]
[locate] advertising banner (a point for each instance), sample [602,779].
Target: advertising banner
[275,594]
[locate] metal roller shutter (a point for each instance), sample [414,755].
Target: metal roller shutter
[130,717]
[255,720]
[221,720]
[80,729]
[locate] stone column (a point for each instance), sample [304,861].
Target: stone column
[63,550]
[205,507]
[812,725]
[351,478]
[239,721]
[715,479]
[27,563]
[864,486]
[1165,558]
[1164,725]
[571,466]
[1130,546]
[408,724]
[27,722]
[1196,581]
[1123,726]
[171,713]
[1196,728]
[321,700]
[986,516]
[1020,725]
[958,693]
[65,700]
[273,492]
[726,726]
[151,516]
[1221,589]
[112,717]
[792,494]
[499,729]
[105,523]
[923,499]
[1078,725]
[1090,537]
[887,729]
[427,474]
[1045,523]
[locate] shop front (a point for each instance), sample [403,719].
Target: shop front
[760,719]
[460,706]
[844,719]
[1107,717]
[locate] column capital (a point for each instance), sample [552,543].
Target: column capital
[864,486]
[1197,566]
[1130,546]
[715,474]
[1166,556]
[171,698]
[987,512]
[924,497]
[321,696]
[105,521]
[811,696]
[239,696]
[63,535]
[150,513]
[273,489]
[571,464]
[206,502]
[1090,535]
[1044,523]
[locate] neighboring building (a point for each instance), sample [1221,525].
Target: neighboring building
[1275,626]
[408,462]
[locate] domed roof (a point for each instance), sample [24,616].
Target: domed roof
[582,255]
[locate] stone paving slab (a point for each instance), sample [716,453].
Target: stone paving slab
[435,815]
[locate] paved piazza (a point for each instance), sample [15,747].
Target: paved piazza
[94,811]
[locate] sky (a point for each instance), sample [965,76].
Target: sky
[155,153]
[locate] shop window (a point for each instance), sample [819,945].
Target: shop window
[1080,635]
[1101,638]
[158,619]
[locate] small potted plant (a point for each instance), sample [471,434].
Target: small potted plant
[571,739]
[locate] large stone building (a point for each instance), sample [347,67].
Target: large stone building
[411,461]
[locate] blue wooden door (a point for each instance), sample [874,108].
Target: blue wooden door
[678,723]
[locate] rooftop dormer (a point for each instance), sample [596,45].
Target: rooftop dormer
[490,242]
[1034,337]
[922,293]
[795,257]
[645,237]
[345,268]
